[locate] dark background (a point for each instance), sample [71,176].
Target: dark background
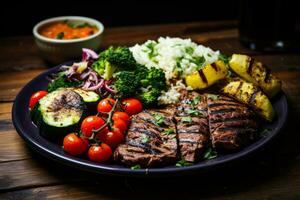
[19,18]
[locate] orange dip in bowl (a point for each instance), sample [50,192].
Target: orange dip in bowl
[65,30]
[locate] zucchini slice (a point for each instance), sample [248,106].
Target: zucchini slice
[59,113]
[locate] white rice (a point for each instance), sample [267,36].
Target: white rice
[177,57]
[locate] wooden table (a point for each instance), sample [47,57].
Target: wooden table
[274,174]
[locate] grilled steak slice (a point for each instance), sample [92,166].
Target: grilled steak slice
[151,139]
[232,124]
[192,126]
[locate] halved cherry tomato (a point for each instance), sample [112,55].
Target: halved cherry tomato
[120,124]
[105,105]
[132,106]
[36,97]
[121,115]
[112,138]
[91,123]
[99,153]
[75,145]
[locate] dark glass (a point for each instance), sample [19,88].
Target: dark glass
[268,25]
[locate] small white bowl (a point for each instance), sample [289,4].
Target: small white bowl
[57,51]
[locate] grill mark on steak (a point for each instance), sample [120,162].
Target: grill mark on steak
[231,127]
[194,136]
[146,143]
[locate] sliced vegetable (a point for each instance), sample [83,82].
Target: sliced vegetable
[256,73]
[207,76]
[251,95]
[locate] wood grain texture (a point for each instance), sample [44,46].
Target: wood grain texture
[26,175]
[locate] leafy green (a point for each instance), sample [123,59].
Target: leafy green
[61,81]
[152,51]
[213,96]
[194,112]
[265,132]
[159,119]
[135,167]
[183,163]
[60,35]
[186,120]
[145,138]
[224,58]
[169,131]
[210,153]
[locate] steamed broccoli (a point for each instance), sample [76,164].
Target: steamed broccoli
[149,96]
[126,83]
[112,60]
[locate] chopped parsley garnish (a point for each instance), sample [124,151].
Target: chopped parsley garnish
[187,120]
[199,61]
[210,154]
[229,74]
[145,138]
[265,132]
[224,58]
[159,119]
[135,167]
[213,96]
[195,101]
[189,50]
[194,112]
[208,55]
[169,131]
[60,35]
[152,51]
[183,163]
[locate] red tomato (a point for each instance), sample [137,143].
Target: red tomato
[91,123]
[112,138]
[132,106]
[75,145]
[36,97]
[99,153]
[105,105]
[121,115]
[120,124]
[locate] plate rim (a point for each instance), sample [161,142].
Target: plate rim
[109,169]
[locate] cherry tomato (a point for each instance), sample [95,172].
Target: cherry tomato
[132,106]
[99,153]
[91,123]
[112,138]
[121,115]
[36,97]
[74,144]
[120,124]
[105,105]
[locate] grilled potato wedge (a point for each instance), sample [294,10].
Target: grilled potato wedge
[251,95]
[255,72]
[207,76]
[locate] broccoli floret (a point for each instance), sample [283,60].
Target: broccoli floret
[113,60]
[126,83]
[152,81]
[149,96]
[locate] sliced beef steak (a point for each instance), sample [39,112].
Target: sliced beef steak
[151,139]
[192,126]
[232,124]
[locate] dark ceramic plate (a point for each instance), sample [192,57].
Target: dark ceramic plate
[30,133]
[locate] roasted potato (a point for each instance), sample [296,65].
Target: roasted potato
[207,76]
[251,95]
[255,72]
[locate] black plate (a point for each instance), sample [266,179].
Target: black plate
[30,133]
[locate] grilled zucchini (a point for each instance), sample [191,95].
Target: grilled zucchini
[58,113]
[251,95]
[256,73]
[207,76]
